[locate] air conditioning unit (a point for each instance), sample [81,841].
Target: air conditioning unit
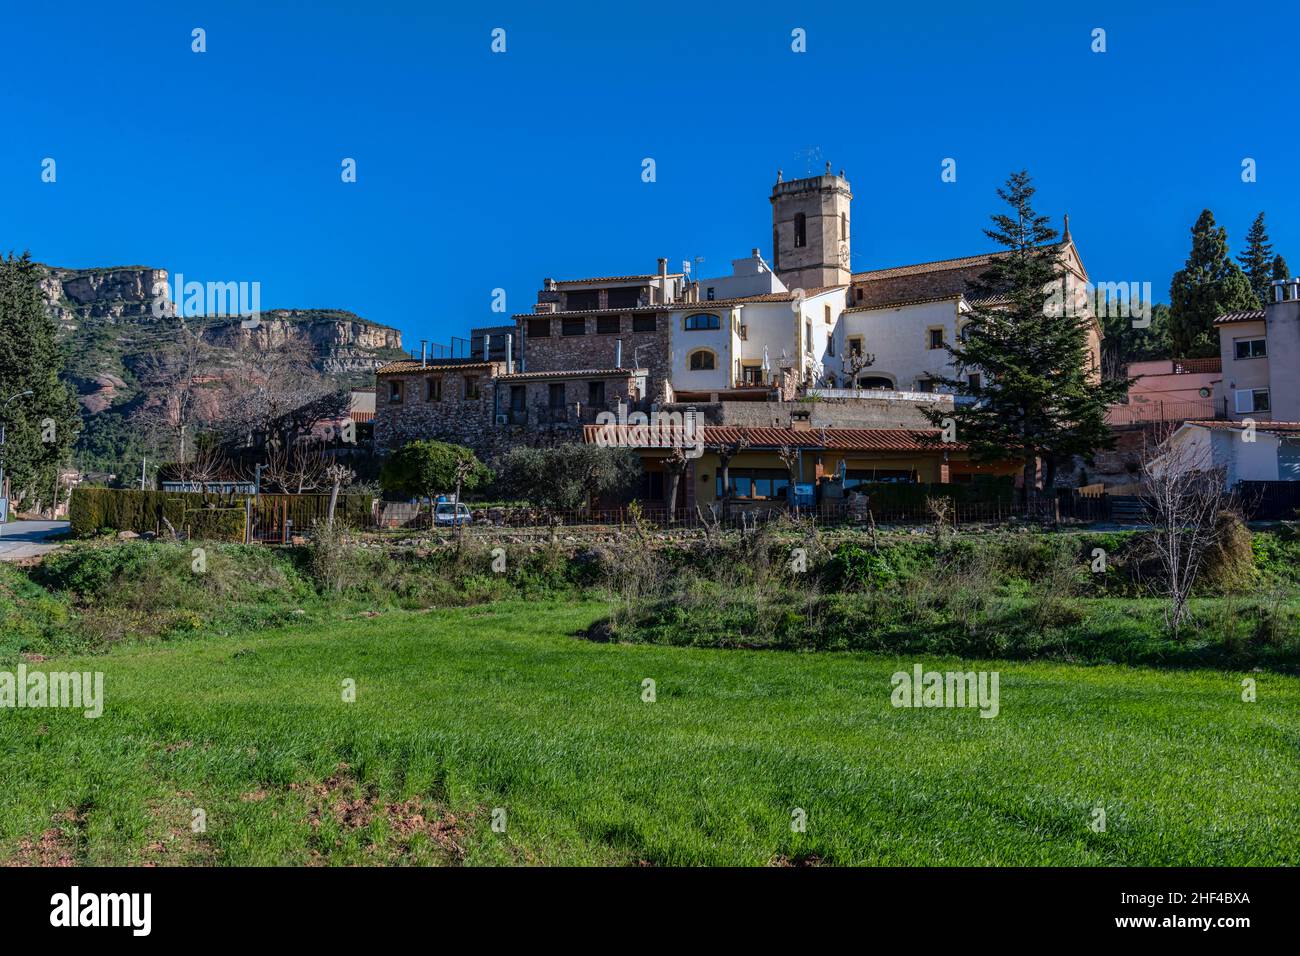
[502,419]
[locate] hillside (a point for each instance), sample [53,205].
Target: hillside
[106,321]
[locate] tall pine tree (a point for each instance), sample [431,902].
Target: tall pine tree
[1037,391]
[1209,285]
[39,428]
[1257,260]
[1280,271]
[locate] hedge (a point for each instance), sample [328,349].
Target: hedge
[95,510]
[983,490]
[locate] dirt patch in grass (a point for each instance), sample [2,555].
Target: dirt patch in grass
[177,842]
[341,804]
[54,847]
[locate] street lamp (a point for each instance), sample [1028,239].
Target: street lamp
[4,408]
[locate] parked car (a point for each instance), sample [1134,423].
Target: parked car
[446,514]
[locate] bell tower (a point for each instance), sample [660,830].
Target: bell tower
[810,231]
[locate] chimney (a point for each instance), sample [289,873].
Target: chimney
[510,361]
[424,353]
[618,354]
[663,268]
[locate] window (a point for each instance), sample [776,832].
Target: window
[518,398]
[855,345]
[395,391]
[626,298]
[800,230]
[875,381]
[607,325]
[857,293]
[936,338]
[1252,399]
[702,360]
[555,396]
[974,380]
[964,332]
[844,225]
[766,483]
[807,335]
[752,374]
[539,328]
[1250,348]
[586,299]
[830,345]
[702,322]
[924,385]
[433,389]
[471,388]
[709,294]
[596,394]
[574,327]
[828,315]
[645,323]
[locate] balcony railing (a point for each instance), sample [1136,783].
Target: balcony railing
[1140,413]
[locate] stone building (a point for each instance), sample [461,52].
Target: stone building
[797,329]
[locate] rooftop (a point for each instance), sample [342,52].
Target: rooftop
[831,439]
[1251,315]
[431,365]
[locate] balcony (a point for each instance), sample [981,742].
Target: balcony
[1146,413]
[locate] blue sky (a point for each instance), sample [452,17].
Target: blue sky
[478,170]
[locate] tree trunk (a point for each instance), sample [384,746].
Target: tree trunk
[334,499]
[670,496]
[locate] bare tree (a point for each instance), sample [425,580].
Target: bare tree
[268,386]
[726,452]
[337,475]
[854,363]
[176,373]
[675,466]
[296,467]
[1184,494]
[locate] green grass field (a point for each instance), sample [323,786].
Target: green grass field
[459,712]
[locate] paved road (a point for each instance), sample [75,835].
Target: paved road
[26,539]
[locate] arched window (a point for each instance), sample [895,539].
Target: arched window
[800,230]
[702,360]
[702,321]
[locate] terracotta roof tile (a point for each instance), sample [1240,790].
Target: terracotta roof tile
[572,373]
[834,439]
[407,366]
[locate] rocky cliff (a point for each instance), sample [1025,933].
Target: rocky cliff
[107,320]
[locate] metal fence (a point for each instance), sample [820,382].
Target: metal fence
[739,515]
[1145,413]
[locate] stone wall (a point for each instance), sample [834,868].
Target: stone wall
[452,418]
[592,350]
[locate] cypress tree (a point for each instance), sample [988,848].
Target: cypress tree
[1257,260]
[1209,285]
[39,428]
